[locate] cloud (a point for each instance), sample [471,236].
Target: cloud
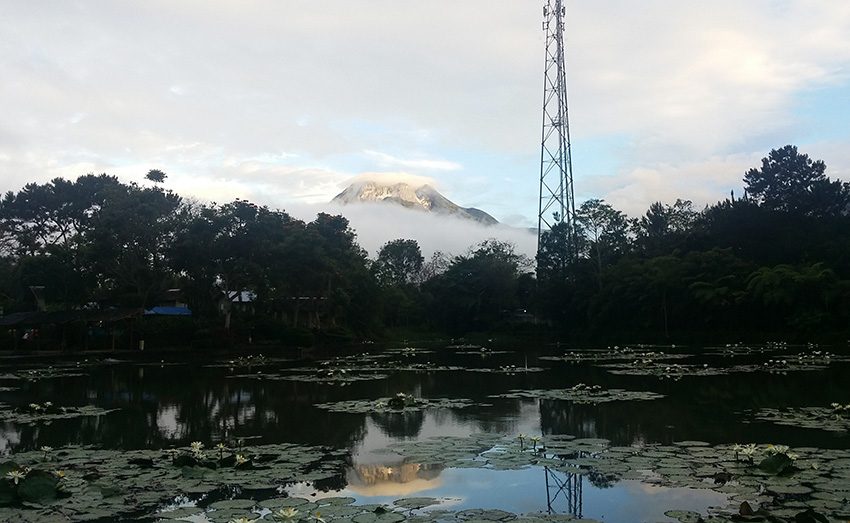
[421,164]
[377,224]
[391,178]
[634,189]
[287,99]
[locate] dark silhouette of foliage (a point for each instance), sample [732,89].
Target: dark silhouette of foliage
[775,263]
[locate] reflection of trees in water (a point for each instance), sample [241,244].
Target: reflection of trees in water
[169,406]
[602,479]
[706,408]
[406,424]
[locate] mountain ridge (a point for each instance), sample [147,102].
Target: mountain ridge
[423,198]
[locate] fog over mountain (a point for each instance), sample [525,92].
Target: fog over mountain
[386,206]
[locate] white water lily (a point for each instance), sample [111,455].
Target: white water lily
[777,449]
[59,473]
[46,449]
[15,475]
[243,520]
[285,514]
[196,446]
[240,459]
[749,450]
[318,518]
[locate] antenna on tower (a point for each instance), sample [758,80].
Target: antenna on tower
[557,201]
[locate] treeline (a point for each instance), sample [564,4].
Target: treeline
[774,262]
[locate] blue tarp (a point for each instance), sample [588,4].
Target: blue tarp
[168,311]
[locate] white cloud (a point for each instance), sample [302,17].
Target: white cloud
[377,224]
[284,100]
[421,164]
[389,178]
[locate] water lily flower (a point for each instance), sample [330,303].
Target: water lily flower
[46,449]
[240,459]
[243,520]
[318,518]
[35,406]
[48,404]
[285,514]
[749,451]
[59,473]
[777,449]
[196,446]
[15,475]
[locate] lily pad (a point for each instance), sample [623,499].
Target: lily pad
[583,394]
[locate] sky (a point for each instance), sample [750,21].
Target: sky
[284,101]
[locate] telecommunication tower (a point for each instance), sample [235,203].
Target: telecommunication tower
[557,202]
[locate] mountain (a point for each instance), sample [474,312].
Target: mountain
[423,197]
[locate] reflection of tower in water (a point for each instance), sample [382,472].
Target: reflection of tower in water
[563,487]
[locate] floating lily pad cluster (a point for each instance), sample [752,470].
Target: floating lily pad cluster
[114,484]
[248,362]
[506,369]
[403,403]
[835,418]
[664,370]
[19,484]
[327,376]
[614,354]
[483,351]
[39,412]
[409,352]
[343,509]
[583,394]
[42,373]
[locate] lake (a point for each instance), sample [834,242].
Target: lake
[620,435]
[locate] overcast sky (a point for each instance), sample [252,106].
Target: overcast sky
[282,101]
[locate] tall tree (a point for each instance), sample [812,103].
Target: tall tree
[790,181]
[605,231]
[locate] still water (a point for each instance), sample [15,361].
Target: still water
[163,405]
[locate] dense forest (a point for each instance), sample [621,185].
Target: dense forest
[771,264]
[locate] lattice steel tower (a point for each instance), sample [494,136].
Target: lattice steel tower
[557,202]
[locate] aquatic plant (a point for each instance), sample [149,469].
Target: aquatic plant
[401,401]
[15,476]
[285,514]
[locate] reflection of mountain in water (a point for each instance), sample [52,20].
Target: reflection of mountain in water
[396,479]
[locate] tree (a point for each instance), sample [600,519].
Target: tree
[555,254]
[129,241]
[156,176]
[478,288]
[234,247]
[663,227]
[791,182]
[399,262]
[604,230]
